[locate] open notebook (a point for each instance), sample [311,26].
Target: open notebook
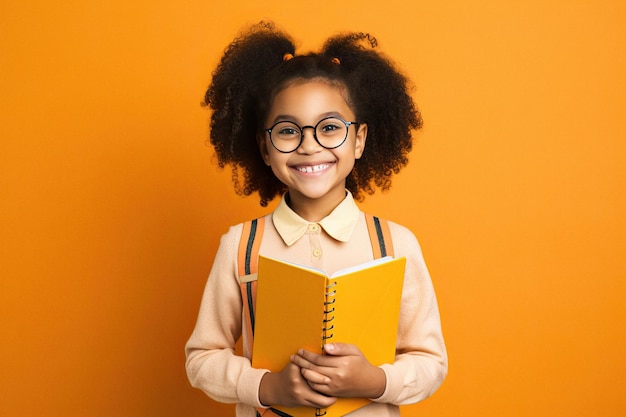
[300,307]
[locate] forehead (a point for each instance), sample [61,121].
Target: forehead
[312,98]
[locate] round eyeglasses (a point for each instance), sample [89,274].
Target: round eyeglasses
[330,133]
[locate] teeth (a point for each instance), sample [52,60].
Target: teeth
[311,169]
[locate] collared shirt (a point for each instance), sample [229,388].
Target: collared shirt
[318,244]
[338,241]
[339,224]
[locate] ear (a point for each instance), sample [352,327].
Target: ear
[361,137]
[261,140]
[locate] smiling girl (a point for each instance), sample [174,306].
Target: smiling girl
[318,130]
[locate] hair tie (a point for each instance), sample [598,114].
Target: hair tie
[336,61]
[288,56]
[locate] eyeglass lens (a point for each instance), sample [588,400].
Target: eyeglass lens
[330,133]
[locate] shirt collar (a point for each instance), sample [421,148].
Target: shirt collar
[339,224]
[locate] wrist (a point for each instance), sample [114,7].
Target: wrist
[266,389]
[379,383]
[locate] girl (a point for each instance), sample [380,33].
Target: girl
[320,130]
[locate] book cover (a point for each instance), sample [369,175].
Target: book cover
[300,307]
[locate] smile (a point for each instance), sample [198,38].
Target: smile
[312,169]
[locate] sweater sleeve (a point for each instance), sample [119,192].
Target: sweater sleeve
[212,364]
[421,359]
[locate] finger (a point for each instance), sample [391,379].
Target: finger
[312,371]
[308,396]
[341,349]
[321,401]
[314,377]
[322,389]
[310,360]
[301,362]
[309,356]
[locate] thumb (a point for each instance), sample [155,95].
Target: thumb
[341,349]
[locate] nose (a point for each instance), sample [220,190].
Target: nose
[308,144]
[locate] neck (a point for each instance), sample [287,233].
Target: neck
[313,209]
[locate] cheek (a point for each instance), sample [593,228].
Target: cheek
[280,172]
[277,161]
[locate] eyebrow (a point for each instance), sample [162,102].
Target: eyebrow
[290,118]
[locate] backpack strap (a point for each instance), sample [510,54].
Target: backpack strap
[249,246]
[247,264]
[378,230]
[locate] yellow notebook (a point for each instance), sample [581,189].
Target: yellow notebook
[299,307]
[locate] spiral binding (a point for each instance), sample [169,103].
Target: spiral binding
[329,309]
[328,325]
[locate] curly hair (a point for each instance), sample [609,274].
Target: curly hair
[253,70]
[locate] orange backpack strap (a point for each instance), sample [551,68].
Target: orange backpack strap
[247,264]
[249,245]
[379,232]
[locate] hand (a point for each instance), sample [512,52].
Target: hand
[288,388]
[342,372]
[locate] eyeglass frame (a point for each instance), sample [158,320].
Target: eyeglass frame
[348,124]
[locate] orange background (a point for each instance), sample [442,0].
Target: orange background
[111,207]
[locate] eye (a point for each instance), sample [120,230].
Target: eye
[331,127]
[286,130]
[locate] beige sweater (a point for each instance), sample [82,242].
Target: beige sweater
[421,361]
